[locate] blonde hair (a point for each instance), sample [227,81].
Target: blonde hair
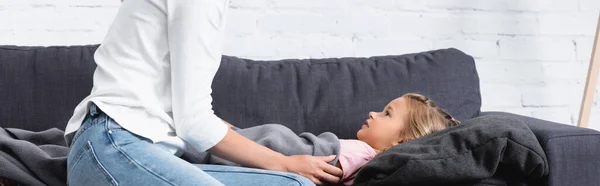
[424,117]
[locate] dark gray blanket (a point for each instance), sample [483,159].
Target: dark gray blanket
[33,158]
[278,138]
[479,149]
[39,158]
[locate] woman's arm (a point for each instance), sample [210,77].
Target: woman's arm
[195,36]
[254,155]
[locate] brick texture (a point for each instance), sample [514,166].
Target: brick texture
[532,55]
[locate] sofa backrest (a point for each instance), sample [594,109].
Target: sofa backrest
[40,86]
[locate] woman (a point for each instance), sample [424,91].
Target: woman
[151,100]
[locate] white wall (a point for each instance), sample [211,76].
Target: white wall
[532,55]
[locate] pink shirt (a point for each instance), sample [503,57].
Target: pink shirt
[353,155]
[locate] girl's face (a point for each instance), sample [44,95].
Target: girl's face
[383,129]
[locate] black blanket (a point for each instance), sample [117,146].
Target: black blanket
[480,149]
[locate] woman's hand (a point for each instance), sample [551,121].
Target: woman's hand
[315,168]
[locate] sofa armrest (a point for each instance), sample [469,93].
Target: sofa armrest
[573,153]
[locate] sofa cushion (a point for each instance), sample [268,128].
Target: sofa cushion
[336,94]
[572,151]
[40,87]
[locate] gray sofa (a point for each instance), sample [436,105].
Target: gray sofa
[40,86]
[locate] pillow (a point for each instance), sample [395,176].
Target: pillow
[475,150]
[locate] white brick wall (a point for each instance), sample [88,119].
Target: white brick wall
[532,55]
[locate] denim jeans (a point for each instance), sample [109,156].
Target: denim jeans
[103,153]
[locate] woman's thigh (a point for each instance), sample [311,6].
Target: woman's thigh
[104,153]
[234,176]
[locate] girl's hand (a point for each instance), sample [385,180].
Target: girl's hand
[315,168]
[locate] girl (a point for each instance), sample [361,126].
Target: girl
[406,118]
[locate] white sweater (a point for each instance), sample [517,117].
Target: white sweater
[155,70]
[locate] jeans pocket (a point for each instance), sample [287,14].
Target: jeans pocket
[85,169]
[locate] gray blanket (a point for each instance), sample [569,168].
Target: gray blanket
[33,158]
[40,158]
[278,138]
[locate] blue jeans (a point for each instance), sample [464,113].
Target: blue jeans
[103,153]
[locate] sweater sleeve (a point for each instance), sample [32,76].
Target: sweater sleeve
[195,37]
[353,155]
